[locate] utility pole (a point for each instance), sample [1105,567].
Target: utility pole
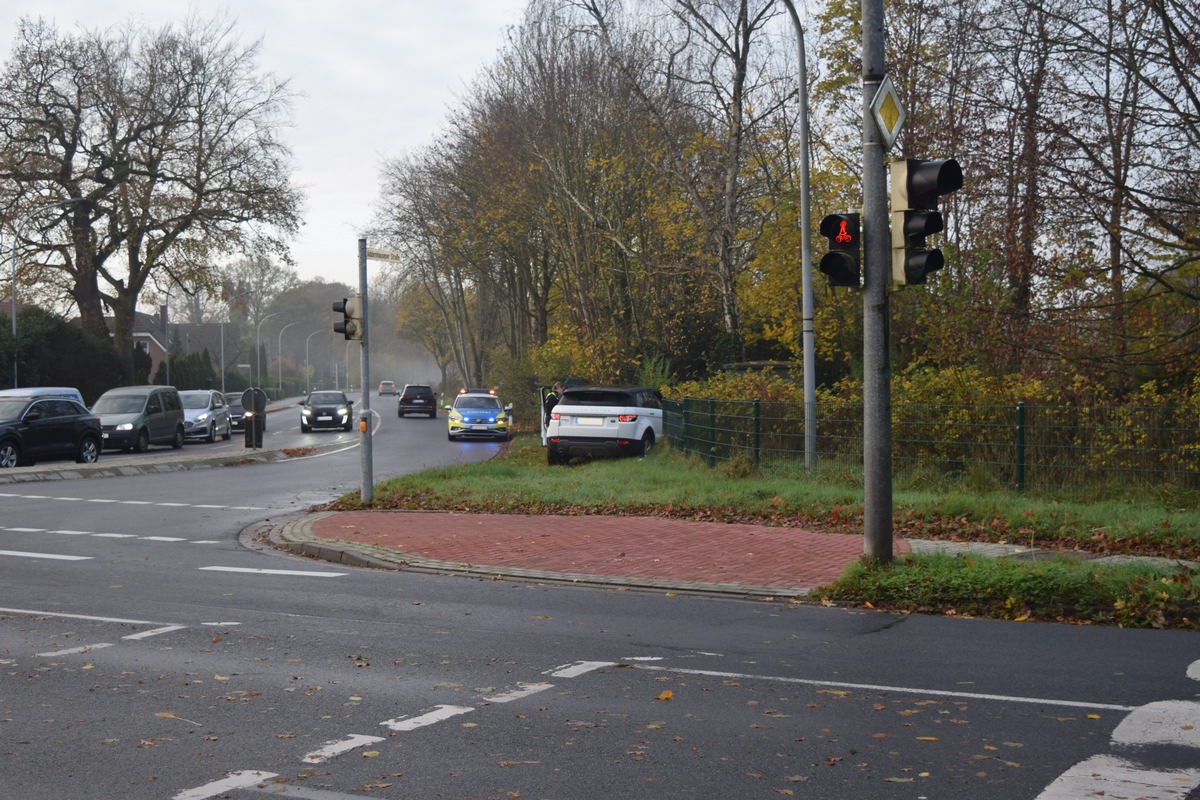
[364,419]
[877,370]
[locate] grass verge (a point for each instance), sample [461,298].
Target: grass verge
[670,485]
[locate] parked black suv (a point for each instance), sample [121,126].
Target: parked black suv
[35,428]
[417,398]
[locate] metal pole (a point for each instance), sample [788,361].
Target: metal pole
[16,238]
[364,422]
[809,345]
[280,353]
[877,375]
[258,347]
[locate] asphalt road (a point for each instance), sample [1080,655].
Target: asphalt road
[150,648]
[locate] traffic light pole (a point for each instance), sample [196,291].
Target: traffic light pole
[877,371]
[364,419]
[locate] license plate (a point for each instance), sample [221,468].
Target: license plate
[105,435]
[479,427]
[589,420]
[324,418]
[418,402]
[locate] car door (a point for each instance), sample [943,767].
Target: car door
[48,430]
[155,418]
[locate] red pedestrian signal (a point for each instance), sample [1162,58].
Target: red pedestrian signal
[843,262]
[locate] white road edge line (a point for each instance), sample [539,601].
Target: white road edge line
[337,748]
[891,689]
[237,780]
[34,613]
[274,572]
[439,713]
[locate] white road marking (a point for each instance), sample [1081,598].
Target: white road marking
[1041,701]
[28,612]
[336,748]
[25,530]
[221,624]
[525,690]
[578,668]
[1110,776]
[1193,670]
[440,713]
[1164,722]
[275,572]
[74,651]
[155,632]
[114,535]
[126,502]
[18,554]
[163,539]
[237,780]
[74,533]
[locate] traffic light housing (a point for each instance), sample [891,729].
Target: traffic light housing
[843,262]
[916,187]
[351,325]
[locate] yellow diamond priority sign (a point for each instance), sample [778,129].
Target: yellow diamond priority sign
[888,112]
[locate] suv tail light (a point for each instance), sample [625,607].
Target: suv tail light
[554,415]
[627,417]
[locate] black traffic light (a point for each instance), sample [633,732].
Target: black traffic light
[916,187]
[351,324]
[843,262]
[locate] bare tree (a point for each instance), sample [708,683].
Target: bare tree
[163,147]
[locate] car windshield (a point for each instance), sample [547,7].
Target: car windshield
[120,404]
[11,407]
[194,399]
[326,398]
[484,401]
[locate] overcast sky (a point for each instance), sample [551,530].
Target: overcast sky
[377,78]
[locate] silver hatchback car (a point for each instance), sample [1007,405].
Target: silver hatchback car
[205,415]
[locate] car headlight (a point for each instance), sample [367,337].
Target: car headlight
[456,416]
[202,418]
[125,426]
[343,411]
[306,412]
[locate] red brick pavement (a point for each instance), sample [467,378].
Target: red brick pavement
[626,547]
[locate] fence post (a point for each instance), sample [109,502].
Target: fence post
[1020,446]
[757,428]
[686,435]
[712,431]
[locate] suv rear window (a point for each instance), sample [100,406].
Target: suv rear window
[598,397]
[415,390]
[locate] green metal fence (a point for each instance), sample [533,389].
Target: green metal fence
[1019,446]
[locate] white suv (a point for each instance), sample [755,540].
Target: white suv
[591,421]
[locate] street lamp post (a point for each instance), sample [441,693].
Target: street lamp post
[806,276]
[258,348]
[17,229]
[307,373]
[279,354]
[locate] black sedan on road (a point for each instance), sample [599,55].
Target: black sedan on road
[326,410]
[36,428]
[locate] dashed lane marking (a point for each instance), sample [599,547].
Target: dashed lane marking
[54,556]
[574,670]
[523,690]
[337,748]
[438,714]
[155,632]
[74,651]
[110,535]
[130,502]
[244,779]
